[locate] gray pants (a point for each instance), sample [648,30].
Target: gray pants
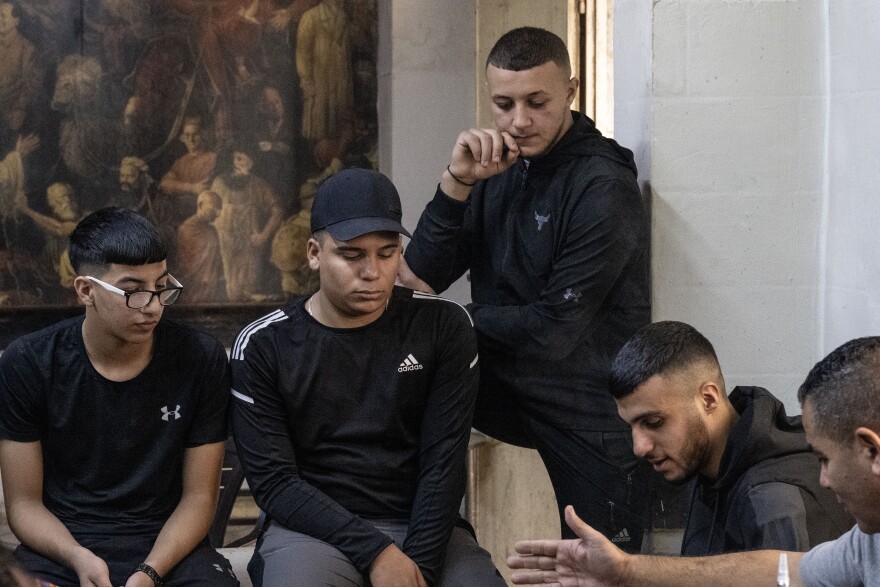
[291,559]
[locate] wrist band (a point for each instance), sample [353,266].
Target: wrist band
[452,175]
[149,572]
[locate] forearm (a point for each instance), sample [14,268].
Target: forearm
[183,531]
[743,569]
[175,187]
[439,254]
[446,427]
[39,529]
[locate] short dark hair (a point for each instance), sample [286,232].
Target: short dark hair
[661,347]
[844,389]
[115,235]
[528,47]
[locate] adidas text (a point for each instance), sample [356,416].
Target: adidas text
[403,368]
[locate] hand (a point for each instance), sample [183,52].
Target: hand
[590,561]
[91,570]
[280,19]
[407,278]
[258,239]
[479,154]
[392,568]
[199,187]
[27,144]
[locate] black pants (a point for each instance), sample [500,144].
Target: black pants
[596,471]
[203,567]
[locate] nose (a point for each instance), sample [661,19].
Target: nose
[642,445]
[521,117]
[153,307]
[369,268]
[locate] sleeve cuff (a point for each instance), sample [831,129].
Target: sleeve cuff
[448,208]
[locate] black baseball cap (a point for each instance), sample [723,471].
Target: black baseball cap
[354,202]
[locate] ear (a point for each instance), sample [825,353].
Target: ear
[84,288]
[710,397]
[313,247]
[868,444]
[571,90]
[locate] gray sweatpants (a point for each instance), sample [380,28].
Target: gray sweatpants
[289,559]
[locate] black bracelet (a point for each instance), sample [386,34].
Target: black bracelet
[149,572]
[452,175]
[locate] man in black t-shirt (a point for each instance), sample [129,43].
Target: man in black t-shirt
[352,412]
[112,425]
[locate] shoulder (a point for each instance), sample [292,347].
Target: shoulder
[45,342]
[442,308]
[262,328]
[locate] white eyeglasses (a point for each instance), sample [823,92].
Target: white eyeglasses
[142,297]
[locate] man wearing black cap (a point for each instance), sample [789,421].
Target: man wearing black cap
[352,412]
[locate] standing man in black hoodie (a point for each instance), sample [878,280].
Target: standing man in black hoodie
[755,479]
[546,214]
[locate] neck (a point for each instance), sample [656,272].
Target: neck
[113,358]
[728,422]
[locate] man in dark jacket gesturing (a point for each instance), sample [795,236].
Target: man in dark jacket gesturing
[546,214]
[756,481]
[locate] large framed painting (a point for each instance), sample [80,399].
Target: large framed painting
[217,119]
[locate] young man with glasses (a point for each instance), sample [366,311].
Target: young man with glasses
[112,425]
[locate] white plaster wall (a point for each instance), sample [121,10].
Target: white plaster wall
[737,175]
[852,294]
[426,96]
[632,82]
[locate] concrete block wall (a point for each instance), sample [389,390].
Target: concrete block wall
[852,268]
[738,106]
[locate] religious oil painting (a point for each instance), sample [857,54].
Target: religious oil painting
[216,119]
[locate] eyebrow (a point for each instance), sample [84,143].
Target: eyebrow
[349,248]
[644,416]
[532,95]
[136,281]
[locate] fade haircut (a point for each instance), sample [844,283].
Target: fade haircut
[844,389]
[659,348]
[528,47]
[114,235]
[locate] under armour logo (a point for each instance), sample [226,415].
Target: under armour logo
[570,295]
[166,413]
[542,220]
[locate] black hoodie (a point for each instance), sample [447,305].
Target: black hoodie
[558,253]
[767,494]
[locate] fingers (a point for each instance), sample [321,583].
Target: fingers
[537,578]
[511,148]
[546,563]
[577,525]
[485,145]
[537,547]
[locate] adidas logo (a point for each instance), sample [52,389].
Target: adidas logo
[622,536]
[409,364]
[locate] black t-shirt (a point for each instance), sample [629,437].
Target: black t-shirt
[113,451]
[335,426]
